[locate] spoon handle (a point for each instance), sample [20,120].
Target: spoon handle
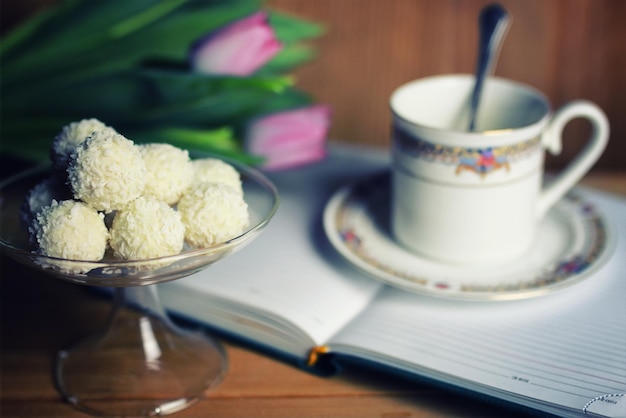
[493,24]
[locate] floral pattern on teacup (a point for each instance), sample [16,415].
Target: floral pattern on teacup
[481,161]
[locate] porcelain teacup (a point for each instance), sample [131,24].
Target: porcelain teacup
[478,197]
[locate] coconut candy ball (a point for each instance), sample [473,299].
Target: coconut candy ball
[216,171]
[212,213]
[42,195]
[169,171]
[70,230]
[106,171]
[146,228]
[70,137]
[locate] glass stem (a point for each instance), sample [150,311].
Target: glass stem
[139,302]
[144,299]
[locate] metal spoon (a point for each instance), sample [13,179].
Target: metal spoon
[493,24]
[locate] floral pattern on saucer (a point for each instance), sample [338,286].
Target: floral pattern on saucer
[572,243]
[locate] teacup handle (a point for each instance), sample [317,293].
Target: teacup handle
[577,168]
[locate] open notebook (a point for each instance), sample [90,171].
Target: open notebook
[289,290]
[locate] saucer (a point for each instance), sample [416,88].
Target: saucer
[572,243]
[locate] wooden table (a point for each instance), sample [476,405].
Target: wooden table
[41,314]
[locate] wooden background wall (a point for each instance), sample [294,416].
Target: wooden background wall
[570,49]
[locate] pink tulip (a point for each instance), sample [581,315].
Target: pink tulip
[239,48]
[291,138]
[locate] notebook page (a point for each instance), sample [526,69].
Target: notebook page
[286,272]
[566,349]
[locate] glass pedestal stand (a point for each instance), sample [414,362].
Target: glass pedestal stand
[142,364]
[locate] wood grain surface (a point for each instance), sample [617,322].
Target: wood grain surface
[41,315]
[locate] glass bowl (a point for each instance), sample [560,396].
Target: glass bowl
[142,364]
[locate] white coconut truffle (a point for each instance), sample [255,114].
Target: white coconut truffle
[212,213]
[169,171]
[70,137]
[146,228]
[216,171]
[106,171]
[42,195]
[70,230]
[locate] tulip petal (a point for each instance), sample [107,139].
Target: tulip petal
[290,138]
[237,49]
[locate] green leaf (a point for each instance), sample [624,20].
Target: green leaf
[220,138]
[79,24]
[287,59]
[174,86]
[89,52]
[27,29]
[233,107]
[218,141]
[140,20]
[290,29]
[117,97]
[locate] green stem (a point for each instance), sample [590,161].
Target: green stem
[134,23]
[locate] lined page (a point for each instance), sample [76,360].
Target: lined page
[288,273]
[567,349]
